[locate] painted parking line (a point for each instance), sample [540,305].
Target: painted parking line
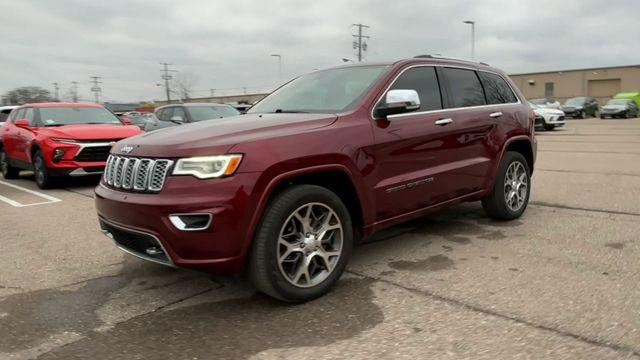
[18,196]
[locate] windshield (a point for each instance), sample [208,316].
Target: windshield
[617,102]
[199,113]
[534,106]
[327,91]
[54,116]
[538,101]
[575,101]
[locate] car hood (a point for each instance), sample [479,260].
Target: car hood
[547,111]
[614,107]
[91,131]
[219,135]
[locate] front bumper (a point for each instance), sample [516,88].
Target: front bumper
[143,218]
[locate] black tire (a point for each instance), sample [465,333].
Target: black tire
[8,171]
[549,127]
[581,115]
[602,116]
[41,172]
[264,269]
[495,204]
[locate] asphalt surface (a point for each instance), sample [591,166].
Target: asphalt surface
[561,282]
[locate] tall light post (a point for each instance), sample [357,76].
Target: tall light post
[279,65]
[473,38]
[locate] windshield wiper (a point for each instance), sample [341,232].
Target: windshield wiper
[278,111]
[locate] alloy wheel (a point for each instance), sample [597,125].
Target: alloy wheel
[38,165]
[515,186]
[4,166]
[309,245]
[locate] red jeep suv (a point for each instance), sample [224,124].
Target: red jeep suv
[285,190]
[56,139]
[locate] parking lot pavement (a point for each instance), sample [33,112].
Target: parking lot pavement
[561,282]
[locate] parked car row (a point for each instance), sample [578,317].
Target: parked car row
[621,105]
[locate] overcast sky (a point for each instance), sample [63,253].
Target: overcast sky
[226,44]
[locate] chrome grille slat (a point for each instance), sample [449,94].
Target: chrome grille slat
[137,174]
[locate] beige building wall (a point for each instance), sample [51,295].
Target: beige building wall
[601,83]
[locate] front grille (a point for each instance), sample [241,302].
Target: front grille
[93,153]
[136,243]
[136,174]
[561,117]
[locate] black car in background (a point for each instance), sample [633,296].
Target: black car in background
[624,108]
[580,107]
[178,114]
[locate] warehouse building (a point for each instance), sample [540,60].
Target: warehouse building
[601,83]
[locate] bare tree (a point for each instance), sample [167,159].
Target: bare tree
[27,94]
[184,82]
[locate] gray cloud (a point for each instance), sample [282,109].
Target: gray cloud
[227,44]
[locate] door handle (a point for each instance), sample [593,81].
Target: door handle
[495,114]
[443,122]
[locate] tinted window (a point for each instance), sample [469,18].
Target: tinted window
[4,114]
[496,89]
[422,79]
[28,114]
[165,114]
[178,111]
[464,88]
[19,114]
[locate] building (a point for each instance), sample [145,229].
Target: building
[230,99]
[601,83]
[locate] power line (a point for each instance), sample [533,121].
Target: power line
[56,91]
[166,77]
[96,89]
[359,44]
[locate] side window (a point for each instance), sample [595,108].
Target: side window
[4,114]
[422,79]
[19,114]
[179,111]
[496,89]
[28,114]
[464,88]
[165,114]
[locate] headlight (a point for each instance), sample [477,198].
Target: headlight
[207,167]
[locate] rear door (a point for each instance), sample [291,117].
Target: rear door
[25,137]
[11,134]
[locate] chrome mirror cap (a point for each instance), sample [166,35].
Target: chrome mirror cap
[403,98]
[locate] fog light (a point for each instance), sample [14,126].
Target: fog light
[58,154]
[190,222]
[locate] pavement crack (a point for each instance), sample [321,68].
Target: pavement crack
[566,207]
[79,193]
[479,309]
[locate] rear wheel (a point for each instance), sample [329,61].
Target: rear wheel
[41,172]
[302,244]
[8,171]
[510,194]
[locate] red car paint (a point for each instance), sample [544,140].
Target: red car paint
[21,142]
[375,155]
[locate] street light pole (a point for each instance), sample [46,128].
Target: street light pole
[473,38]
[279,65]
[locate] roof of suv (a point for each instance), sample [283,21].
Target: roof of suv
[425,59]
[62,104]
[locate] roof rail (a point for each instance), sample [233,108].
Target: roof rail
[428,56]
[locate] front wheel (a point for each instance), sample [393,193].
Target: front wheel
[510,194]
[302,244]
[549,127]
[8,171]
[41,172]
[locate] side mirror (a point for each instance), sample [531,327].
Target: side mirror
[399,101]
[23,123]
[177,119]
[126,121]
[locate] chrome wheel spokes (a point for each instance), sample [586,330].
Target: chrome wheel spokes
[310,244]
[516,186]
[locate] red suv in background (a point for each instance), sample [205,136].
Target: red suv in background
[284,190]
[56,139]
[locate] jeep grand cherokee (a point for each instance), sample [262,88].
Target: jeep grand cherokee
[330,157]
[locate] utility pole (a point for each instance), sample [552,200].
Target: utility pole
[244,90]
[166,77]
[279,65]
[96,87]
[56,91]
[473,38]
[359,44]
[74,91]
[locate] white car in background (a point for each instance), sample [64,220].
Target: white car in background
[547,119]
[4,112]
[547,103]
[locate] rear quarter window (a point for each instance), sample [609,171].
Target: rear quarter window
[496,89]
